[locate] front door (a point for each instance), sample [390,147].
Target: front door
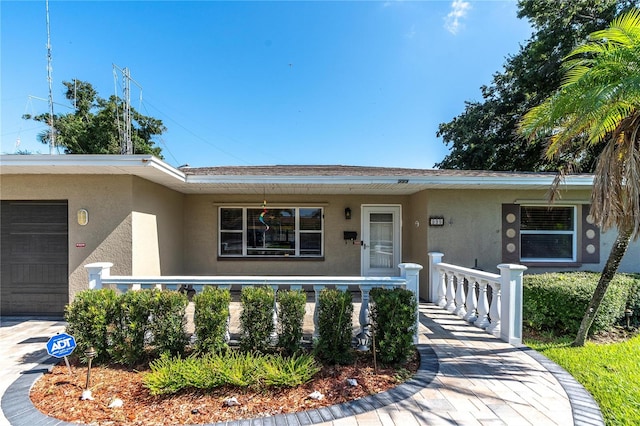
[381,240]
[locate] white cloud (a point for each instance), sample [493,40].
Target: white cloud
[459,9]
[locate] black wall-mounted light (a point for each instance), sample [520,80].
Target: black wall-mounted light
[347,213]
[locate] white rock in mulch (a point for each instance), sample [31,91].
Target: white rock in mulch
[116,403]
[316,395]
[86,395]
[231,402]
[352,382]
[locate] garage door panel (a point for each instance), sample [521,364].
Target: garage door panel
[34,267]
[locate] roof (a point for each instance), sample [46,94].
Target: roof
[283,179]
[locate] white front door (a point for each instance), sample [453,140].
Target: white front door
[381,240]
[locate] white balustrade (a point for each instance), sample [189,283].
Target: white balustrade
[100,277]
[501,316]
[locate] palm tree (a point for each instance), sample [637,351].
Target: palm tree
[599,103]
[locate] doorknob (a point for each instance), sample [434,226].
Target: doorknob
[364,245]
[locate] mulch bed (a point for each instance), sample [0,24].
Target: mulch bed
[58,394]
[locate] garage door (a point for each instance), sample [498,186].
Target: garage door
[34,266]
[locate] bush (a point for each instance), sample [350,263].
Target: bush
[88,317]
[129,327]
[393,313]
[556,302]
[256,319]
[291,319]
[211,319]
[167,321]
[171,374]
[335,310]
[633,301]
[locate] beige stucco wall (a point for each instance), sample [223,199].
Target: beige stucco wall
[341,258]
[157,229]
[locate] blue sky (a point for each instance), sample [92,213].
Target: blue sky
[255,83]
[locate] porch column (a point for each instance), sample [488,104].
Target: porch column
[411,273]
[511,308]
[434,277]
[97,271]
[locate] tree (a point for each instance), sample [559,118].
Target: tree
[484,136]
[599,104]
[94,127]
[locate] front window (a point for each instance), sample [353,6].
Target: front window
[276,232]
[547,233]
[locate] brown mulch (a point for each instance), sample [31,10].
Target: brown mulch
[57,394]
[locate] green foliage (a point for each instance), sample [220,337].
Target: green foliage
[608,371]
[210,318]
[88,318]
[129,327]
[171,374]
[556,302]
[393,313]
[256,319]
[290,319]
[633,302]
[167,322]
[92,129]
[335,309]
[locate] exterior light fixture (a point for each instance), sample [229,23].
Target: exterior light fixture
[628,313]
[347,213]
[90,353]
[83,217]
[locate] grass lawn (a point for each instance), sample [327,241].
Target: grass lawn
[610,372]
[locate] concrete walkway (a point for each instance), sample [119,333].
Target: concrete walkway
[467,377]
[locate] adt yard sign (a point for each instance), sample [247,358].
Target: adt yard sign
[61,345]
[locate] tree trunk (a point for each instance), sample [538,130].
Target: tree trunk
[610,268]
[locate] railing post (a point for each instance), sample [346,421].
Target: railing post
[511,306]
[411,273]
[460,297]
[483,305]
[451,292]
[435,279]
[472,301]
[97,271]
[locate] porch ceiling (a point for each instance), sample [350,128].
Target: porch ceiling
[295,180]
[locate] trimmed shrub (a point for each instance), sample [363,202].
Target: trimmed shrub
[556,302]
[167,322]
[290,319]
[171,374]
[129,326]
[256,319]
[88,317]
[335,309]
[633,301]
[393,313]
[210,319]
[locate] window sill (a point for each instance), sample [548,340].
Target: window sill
[271,258]
[551,264]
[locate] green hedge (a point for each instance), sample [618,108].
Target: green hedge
[335,309]
[256,319]
[291,310]
[393,313]
[210,319]
[556,302]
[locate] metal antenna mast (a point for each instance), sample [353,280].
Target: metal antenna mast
[52,130]
[126,144]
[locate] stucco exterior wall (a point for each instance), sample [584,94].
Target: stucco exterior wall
[106,238]
[157,229]
[341,258]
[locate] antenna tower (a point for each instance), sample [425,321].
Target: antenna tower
[52,130]
[126,144]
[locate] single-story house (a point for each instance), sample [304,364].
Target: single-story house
[61,212]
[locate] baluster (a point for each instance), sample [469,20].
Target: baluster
[494,311]
[451,302]
[460,310]
[442,288]
[472,301]
[483,306]
[364,313]
[316,291]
